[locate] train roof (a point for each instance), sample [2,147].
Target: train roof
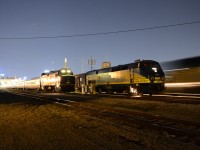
[118,67]
[57,71]
[181,63]
[35,78]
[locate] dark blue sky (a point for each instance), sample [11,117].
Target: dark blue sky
[50,18]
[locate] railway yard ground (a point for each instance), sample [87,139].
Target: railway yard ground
[36,120]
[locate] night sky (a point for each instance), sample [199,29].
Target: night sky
[39,34]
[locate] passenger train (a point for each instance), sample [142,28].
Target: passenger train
[182,75]
[59,80]
[139,77]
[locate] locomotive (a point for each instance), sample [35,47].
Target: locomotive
[139,77]
[59,80]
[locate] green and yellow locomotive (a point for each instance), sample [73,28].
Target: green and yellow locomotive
[140,77]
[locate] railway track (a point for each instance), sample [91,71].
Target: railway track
[168,97]
[173,127]
[162,124]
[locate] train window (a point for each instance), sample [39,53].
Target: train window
[145,64]
[150,64]
[154,69]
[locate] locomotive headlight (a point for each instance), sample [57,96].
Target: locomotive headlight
[62,71]
[154,69]
[68,71]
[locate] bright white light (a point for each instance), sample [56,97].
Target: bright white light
[177,69]
[63,71]
[154,69]
[53,79]
[46,71]
[58,79]
[183,84]
[68,71]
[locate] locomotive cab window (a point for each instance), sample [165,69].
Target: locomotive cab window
[152,67]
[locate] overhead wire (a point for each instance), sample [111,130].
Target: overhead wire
[100,33]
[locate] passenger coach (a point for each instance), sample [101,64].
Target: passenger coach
[62,80]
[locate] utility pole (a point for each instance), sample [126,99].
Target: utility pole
[82,65]
[91,62]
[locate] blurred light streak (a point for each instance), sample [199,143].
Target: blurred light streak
[177,69]
[183,84]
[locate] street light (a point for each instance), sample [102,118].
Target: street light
[46,71]
[2,75]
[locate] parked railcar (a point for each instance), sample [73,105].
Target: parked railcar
[18,84]
[59,80]
[140,77]
[32,84]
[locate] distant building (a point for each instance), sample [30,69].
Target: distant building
[106,64]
